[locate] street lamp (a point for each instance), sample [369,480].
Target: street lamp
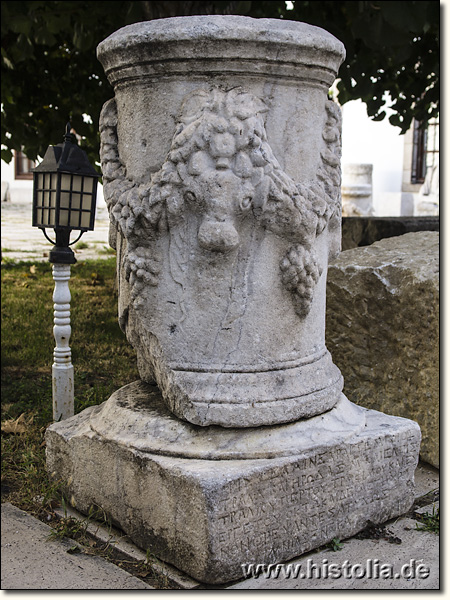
[64,198]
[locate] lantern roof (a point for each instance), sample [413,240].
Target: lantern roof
[67,157]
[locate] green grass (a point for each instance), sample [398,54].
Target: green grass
[335,545]
[107,250]
[81,246]
[102,358]
[429,521]
[12,250]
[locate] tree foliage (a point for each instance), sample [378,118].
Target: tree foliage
[50,73]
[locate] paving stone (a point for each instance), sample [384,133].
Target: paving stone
[30,561]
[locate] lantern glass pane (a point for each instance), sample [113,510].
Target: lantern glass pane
[46,198]
[75,219]
[64,200]
[88,184]
[40,181]
[39,198]
[77,183]
[63,218]
[85,219]
[66,181]
[52,217]
[76,201]
[87,203]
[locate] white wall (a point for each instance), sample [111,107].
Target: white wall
[21,190]
[378,143]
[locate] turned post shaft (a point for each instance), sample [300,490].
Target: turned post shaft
[62,369]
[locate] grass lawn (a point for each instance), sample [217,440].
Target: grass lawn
[102,358]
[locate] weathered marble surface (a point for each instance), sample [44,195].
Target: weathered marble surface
[135,416]
[208,499]
[221,163]
[383,329]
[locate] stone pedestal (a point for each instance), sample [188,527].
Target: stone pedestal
[357,190]
[208,500]
[221,169]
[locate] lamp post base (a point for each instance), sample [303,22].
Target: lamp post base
[61,253]
[62,256]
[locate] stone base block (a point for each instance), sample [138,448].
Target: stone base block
[209,499]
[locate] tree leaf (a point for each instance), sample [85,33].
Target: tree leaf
[21,24]
[17,426]
[56,53]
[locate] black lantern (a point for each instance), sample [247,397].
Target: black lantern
[64,195]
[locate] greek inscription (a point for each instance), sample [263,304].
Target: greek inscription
[335,483]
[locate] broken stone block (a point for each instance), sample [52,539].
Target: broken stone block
[383,329]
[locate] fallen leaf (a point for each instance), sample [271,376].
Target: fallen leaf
[33,269]
[19,425]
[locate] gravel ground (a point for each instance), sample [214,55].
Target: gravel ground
[21,241]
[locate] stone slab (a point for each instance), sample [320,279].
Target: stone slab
[414,544]
[136,417]
[32,562]
[383,329]
[207,516]
[364,231]
[426,479]
[429,509]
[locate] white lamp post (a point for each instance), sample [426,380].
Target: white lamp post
[64,198]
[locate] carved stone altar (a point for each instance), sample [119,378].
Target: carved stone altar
[221,164]
[224,235]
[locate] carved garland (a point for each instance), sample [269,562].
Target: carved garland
[226,129]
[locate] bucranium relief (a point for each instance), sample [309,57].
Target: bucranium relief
[220,163]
